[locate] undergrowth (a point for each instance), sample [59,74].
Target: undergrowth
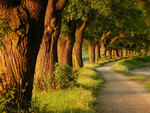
[78,99]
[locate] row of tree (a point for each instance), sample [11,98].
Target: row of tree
[44,32]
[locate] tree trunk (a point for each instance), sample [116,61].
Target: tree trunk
[97,51]
[115,53]
[142,51]
[134,53]
[124,52]
[47,55]
[64,50]
[129,53]
[91,48]
[103,50]
[110,53]
[120,53]
[77,50]
[20,48]
[65,45]
[77,47]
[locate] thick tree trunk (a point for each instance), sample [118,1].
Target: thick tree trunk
[97,51]
[20,48]
[47,55]
[77,47]
[64,50]
[65,45]
[110,53]
[103,50]
[77,50]
[91,48]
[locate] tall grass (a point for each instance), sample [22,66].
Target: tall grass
[80,99]
[124,66]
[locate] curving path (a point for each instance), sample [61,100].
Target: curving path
[120,94]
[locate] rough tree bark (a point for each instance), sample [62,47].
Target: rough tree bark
[91,48]
[65,45]
[20,48]
[64,50]
[47,55]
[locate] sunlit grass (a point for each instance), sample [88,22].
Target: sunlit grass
[76,100]
[80,99]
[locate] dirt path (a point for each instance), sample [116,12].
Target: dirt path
[120,94]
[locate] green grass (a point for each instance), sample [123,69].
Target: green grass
[124,66]
[80,99]
[101,62]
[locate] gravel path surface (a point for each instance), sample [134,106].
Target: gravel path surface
[120,94]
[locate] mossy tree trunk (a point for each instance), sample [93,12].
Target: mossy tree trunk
[47,55]
[17,63]
[91,48]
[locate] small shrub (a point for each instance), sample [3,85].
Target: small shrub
[64,76]
[6,99]
[44,85]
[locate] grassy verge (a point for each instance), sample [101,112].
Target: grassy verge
[124,66]
[102,62]
[79,99]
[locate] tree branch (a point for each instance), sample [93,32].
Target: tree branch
[104,36]
[84,22]
[61,4]
[112,40]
